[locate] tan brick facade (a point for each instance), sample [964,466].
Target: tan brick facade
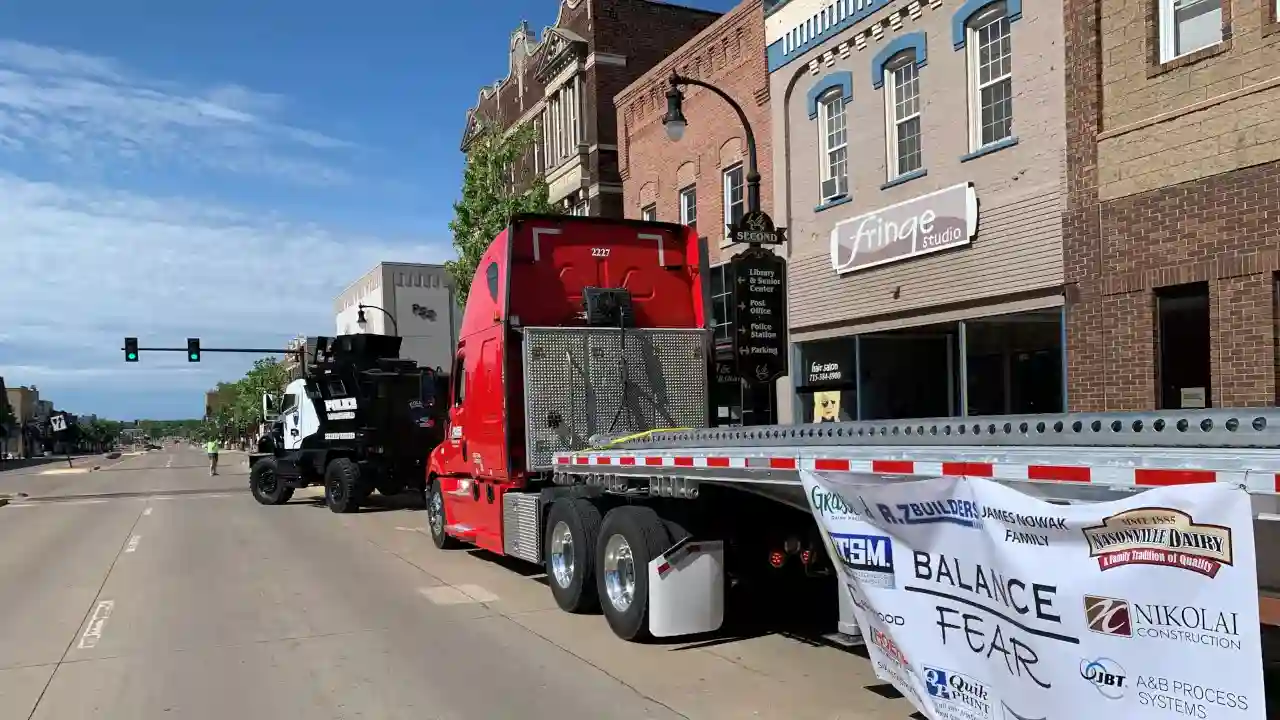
[730,55]
[1173,178]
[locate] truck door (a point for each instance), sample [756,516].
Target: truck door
[292,422]
[454,449]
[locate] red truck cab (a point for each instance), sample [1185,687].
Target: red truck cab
[535,275]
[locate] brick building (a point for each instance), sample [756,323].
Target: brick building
[920,157]
[703,175]
[1173,225]
[565,83]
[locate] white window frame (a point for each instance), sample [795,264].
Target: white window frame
[649,213]
[892,122]
[725,295]
[689,211]
[562,122]
[1169,26]
[979,20]
[580,209]
[727,184]
[825,174]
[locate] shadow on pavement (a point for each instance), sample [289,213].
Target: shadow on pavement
[374,503]
[37,462]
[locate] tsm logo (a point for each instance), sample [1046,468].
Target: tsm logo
[1108,616]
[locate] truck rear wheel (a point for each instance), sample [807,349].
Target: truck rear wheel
[569,549]
[266,485]
[630,537]
[342,486]
[436,519]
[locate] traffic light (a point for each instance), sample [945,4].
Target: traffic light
[131,349]
[193,349]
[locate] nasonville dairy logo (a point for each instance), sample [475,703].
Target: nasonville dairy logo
[1159,536]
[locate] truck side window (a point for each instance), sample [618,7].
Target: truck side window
[289,403]
[491,276]
[337,389]
[459,375]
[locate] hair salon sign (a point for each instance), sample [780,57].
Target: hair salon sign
[927,224]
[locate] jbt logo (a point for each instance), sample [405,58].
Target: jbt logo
[1105,674]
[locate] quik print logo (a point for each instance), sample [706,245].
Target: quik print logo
[1106,675]
[1159,536]
[965,513]
[957,696]
[869,558]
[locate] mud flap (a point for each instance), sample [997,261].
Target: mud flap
[686,589]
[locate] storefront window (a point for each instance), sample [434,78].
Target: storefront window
[1182,321]
[828,388]
[909,373]
[1014,364]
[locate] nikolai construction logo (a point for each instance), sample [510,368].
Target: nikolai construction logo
[1159,536]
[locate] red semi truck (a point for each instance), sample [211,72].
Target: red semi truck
[577,328]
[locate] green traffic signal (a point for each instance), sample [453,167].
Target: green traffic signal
[131,349]
[132,356]
[193,349]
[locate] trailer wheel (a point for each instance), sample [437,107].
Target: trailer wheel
[342,485]
[630,537]
[569,549]
[436,519]
[266,486]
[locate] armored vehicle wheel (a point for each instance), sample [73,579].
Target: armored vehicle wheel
[266,486]
[342,487]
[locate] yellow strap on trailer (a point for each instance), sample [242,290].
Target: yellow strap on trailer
[636,436]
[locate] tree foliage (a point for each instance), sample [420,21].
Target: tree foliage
[488,199]
[237,406]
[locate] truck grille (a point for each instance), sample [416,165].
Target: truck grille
[575,385]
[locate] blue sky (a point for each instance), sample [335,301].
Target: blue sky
[219,170]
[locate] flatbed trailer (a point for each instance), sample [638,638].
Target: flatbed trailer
[1070,458]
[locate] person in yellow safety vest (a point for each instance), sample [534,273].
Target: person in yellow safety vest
[211,448]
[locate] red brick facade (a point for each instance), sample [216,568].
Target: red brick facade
[1203,209]
[730,54]
[614,41]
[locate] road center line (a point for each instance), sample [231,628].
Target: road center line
[133,543]
[97,621]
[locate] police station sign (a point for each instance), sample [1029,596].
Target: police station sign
[941,220]
[978,602]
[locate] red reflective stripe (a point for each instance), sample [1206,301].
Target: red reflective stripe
[717,462]
[684,462]
[653,461]
[831,464]
[603,460]
[1276,487]
[626,461]
[782,463]
[1173,477]
[562,460]
[581,460]
[893,467]
[1059,473]
[972,469]
[663,568]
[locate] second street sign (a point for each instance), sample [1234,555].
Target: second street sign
[760,331]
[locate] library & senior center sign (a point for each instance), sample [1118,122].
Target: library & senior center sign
[926,224]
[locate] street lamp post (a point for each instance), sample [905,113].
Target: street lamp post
[362,321]
[675,123]
[758,400]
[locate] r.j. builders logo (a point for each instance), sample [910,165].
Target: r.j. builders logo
[1159,536]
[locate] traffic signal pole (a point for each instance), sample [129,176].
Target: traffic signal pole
[263,351]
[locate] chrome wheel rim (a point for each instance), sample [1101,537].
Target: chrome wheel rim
[562,565]
[435,513]
[619,573]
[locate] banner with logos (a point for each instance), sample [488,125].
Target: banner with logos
[979,602]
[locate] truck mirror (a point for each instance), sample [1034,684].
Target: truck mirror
[269,405]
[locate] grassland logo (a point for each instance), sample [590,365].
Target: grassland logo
[1159,536]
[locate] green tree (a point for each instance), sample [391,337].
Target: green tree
[488,199]
[7,419]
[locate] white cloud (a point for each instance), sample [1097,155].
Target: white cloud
[84,111]
[81,269]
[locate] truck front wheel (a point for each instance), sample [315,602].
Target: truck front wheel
[630,536]
[569,549]
[436,517]
[342,487]
[266,485]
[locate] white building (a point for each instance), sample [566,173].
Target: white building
[421,300]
